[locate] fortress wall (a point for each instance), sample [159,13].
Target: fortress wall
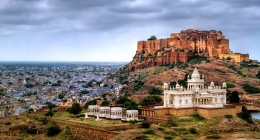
[245,57]
[174,57]
[181,112]
[211,113]
[235,57]
[160,113]
[185,56]
[164,120]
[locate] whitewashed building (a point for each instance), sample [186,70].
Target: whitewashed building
[116,112]
[104,111]
[131,115]
[93,110]
[196,94]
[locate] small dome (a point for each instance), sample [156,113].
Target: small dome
[177,85]
[195,74]
[212,84]
[224,85]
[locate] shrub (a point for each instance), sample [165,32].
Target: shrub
[230,85]
[198,118]
[150,100]
[233,97]
[49,113]
[145,125]
[133,121]
[75,109]
[228,116]
[138,85]
[180,129]
[131,104]
[193,130]
[213,137]
[245,115]
[43,120]
[171,124]
[32,130]
[160,128]
[153,37]
[93,102]
[105,103]
[80,115]
[67,134]
[8,123]
[155,91]
[53,130]
[258,75]
[213,132]
[30,110]
[149,131]
[168,137]
[174,124]
[251,89]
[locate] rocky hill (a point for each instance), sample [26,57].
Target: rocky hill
[140,81]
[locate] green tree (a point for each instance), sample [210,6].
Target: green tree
[89,84]
[228,58]
[230,85]
[250,89]
[61,95]
[50,106]
[152,38]
[53,130]
[173,84]
[2,92]
[155,91]
[233,97]
[150,100]
[92,102]
[138,85]
[75,109]
[29,85]
[245,115]
[105,103]
[182,82]
[258,75]
[131,104]
[122,100]
[84,92]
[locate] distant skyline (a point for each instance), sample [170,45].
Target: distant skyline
[102,30]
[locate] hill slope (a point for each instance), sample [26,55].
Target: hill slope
[219,71]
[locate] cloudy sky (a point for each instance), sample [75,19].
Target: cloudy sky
[108,30]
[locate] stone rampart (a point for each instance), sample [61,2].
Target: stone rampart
[181,112]
[164,120]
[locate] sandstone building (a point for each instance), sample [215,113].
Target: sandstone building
[180,47]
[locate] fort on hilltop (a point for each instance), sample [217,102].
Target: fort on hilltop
[180,47]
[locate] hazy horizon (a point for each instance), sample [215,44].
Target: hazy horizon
[57,30]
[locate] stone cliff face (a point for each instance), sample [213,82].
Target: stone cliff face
[180,47]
